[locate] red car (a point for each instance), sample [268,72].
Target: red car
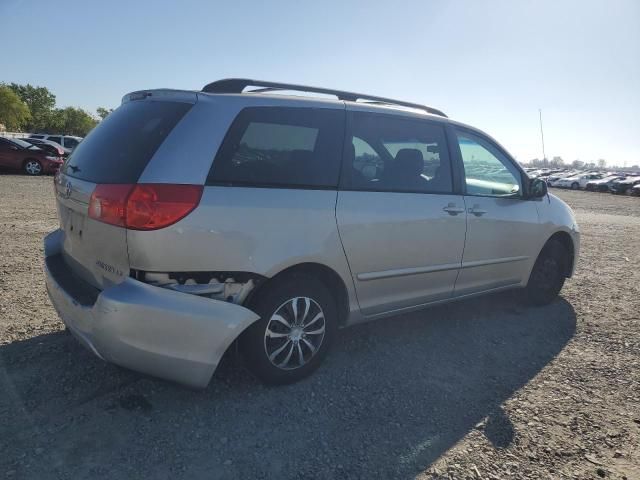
[17,154]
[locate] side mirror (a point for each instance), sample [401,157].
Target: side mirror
[537,188]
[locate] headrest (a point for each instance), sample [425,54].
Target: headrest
[409,161]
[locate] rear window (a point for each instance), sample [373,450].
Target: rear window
[281,147]
[119,148]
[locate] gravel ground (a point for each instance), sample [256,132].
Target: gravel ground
[481,389]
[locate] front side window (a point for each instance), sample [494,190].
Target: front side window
[487,171]
[395,154]
[281,146]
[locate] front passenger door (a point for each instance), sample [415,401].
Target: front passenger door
[502,226]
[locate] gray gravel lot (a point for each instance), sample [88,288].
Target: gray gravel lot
[481,389]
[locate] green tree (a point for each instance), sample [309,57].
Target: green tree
[41,103]
[14,113]
[75,121]
[103,112]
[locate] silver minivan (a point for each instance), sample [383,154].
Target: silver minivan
[193,220]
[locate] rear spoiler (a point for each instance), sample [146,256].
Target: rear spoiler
[161,94]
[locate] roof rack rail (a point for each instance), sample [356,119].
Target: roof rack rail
[237,85]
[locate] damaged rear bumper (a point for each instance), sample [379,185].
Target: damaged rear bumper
[153,330]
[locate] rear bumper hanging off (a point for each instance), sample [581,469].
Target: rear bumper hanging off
[168,334]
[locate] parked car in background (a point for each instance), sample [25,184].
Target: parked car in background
[51,148]
[577,181]
[635,190]
[68,142]
[189,220]
[623,186]
[16,154]
[551,179]
[602,184]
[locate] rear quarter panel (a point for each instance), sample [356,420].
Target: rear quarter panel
[257,230]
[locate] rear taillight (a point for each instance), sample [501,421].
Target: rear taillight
[143,206]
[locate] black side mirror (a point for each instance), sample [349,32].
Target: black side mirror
[537,188]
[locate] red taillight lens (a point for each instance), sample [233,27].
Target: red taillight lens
[153,206]
[143,206]
[108,204]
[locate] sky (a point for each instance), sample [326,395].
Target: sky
[492,64]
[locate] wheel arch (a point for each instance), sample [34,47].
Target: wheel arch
[329,278]
[567,242]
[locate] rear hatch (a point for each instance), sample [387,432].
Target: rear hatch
[115,153]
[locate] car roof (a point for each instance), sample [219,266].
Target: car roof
[270,97]
[362,106]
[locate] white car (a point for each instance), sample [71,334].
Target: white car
[68,142]
[577,181]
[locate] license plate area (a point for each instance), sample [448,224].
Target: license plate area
[74,230]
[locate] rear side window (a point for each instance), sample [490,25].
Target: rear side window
[281,147]
[119,148]
[395,154]
[58,140]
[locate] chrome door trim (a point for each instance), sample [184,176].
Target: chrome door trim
[493,261]
[401,272]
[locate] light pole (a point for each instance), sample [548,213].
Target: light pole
[544,155]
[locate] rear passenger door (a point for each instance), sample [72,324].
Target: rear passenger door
[502,226]
[401,225]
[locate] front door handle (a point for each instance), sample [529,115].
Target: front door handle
[477,211]
[451,209]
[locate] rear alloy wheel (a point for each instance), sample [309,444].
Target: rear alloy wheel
[548,274]
[297,324]
[575,186]
[32,167]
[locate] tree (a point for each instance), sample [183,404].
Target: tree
[41,103]
[103,112]
[556,162]
[14,113]
[602,163]
[577,164]
[75,121]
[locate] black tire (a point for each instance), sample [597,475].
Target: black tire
[32,167]
[575,186]
[279,297]
[548,274]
